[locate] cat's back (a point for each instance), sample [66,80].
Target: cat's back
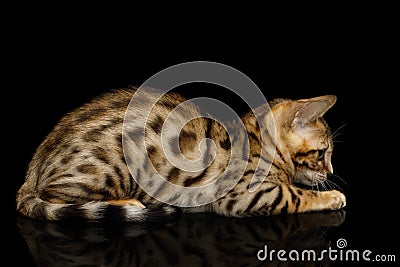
[89,138]
[108,107]
[89,123]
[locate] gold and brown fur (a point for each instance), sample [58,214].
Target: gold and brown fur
[80,171]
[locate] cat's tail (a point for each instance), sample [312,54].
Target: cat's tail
[99,211]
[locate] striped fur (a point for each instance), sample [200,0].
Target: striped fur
[80,172]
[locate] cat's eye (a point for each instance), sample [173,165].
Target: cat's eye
[321,154]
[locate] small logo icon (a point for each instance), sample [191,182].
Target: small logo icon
[341,243]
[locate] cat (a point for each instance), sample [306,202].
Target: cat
[89,168]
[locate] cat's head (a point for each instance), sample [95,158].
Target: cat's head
[306,136]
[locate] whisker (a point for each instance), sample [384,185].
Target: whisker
[336,132]
[331,187]
[328,186]
[341,179]
[335,185]
[338,141]
[324,185]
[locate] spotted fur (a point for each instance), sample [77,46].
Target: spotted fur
[80,171]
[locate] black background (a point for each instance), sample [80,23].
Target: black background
[55,68]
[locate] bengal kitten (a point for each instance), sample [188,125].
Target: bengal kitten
[80,171]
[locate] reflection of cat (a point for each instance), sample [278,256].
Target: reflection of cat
[195,240]
[79,171]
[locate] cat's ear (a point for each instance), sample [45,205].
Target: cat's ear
[309,110]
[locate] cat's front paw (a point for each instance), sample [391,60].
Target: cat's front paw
[336,200]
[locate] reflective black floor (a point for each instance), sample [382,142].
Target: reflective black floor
[192,240]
